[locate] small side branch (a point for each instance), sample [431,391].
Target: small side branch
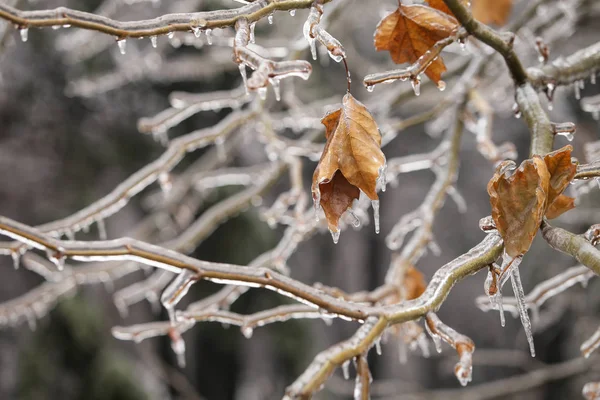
[575,245]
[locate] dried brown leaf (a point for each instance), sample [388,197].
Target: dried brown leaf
[410,31]
[560,205]
[519,203]
[561,170]
[351,161]
[492,11]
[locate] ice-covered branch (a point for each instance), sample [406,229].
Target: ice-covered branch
[490,37]
[202,21]
[578,246]
[414,71]
[463,345]
[587,171]
[540,127]
[325,363]
[564,71]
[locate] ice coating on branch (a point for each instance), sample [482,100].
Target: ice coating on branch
[176,290]
[591,345]
[178,346]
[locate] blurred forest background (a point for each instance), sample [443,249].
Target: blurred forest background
[69,106]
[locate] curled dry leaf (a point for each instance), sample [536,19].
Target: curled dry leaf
[410,31]
[492,11]
[519,202]
[352,161]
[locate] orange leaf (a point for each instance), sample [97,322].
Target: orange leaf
[492,11]
[519,203]
[560,205]
[410,31]
[440,5]
[351,161]
[561,170]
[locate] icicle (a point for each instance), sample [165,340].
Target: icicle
[270,19]
[101,229]
[262,93]
[197,31]
[355,219]
[402,353]
[464,374]
[252,36]
[165,182]
[437,340]
[69,234]
[381,177]
[220,145]
[244,77]
[122,43]
[57,258]
[566,129]
[175,291]
[346,369]
[375,205]
[292,13]
[16,257]
[495,298]
[370,88]
[577,90]
[208,33]
[178,346]
[515,278]
[24,34]
[171,35]
[154,41]
[247,332]
[276,88]
[378,346]
[416,85]
[441,85]
[593,78]
[56,27]
[463,44]
[516,111]
[335,235]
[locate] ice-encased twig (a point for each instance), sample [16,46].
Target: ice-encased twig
[463,345]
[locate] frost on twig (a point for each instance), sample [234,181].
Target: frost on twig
[463,345]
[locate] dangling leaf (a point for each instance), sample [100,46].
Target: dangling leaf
[519,203]
[351,161]
[410,31]
[492,11]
